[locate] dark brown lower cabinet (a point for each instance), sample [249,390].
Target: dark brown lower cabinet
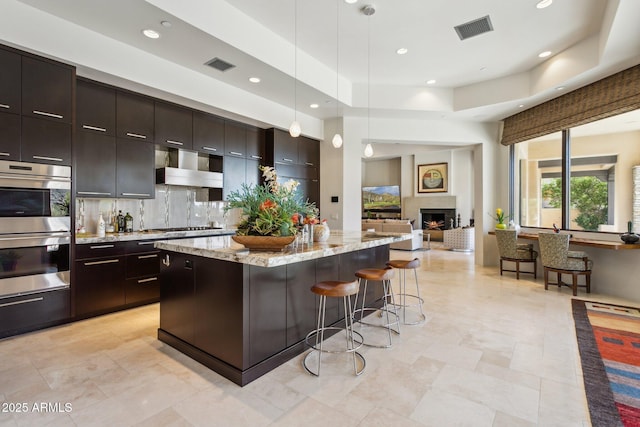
[99,285]
[243,321]
[34,311]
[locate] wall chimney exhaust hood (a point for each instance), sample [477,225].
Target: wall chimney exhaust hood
[182,169]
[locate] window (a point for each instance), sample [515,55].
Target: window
[601,184]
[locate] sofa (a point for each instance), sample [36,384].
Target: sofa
[396,226]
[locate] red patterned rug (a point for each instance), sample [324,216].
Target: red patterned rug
[609,342]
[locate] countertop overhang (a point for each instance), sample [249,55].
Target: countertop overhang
[151,235]
[224,248]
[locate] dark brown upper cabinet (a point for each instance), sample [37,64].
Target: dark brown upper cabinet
[173,126]
[208,133]
[95,108]
[95,164]
[282,148]
[9,137]
[10,83]
[255,144]
[134,116]
[308,151]
[135,169]
[47,89]
[235,139]
[45,141]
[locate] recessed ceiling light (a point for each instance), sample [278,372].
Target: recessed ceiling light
[544,3]
[521,106]
[350,1]
[544,54]
[165,24]
[151,34]
[254,79]
[314,106]
[430,82]
[402,51]
[560,88]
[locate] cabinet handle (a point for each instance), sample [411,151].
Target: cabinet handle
[4,106]
[93,193]
[308,163]
[147,256]
[137,194]
[209,148]
[136,135]
[256,157]
[24,301]
[174,142]
[146,243]
[284,159]
[109,261]
[101,247]
[151,279]
[94,128]
[235,153]
[5,154]
[52,159]
[44,113]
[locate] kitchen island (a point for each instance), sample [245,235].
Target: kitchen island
[243,313]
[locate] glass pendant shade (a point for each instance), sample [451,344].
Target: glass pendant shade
[337,140]
[368,150]
[294,129]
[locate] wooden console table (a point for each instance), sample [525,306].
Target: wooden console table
[602,244]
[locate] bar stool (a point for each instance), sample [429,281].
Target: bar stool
[335,289]
[403,266]
[383,275]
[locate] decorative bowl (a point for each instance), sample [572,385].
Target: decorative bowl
[629,238]
[264,243]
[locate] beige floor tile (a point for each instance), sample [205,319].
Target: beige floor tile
[438,408]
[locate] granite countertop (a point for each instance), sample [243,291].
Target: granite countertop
[151,235]
[224,248]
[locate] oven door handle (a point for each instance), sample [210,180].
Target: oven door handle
[13,241]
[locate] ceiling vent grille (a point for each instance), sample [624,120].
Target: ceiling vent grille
[219,64]
[474,28]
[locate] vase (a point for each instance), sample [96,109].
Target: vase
[264,243]
[321,232]
[629,238]
[501,226]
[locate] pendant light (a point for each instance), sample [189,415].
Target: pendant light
[337,138]
[295,130]
[368,11]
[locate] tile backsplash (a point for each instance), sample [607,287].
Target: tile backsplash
[173,206]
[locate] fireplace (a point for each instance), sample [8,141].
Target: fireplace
[440,216]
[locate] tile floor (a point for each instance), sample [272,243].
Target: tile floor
[493,352]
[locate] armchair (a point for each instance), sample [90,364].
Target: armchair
[512,251]
[556,257]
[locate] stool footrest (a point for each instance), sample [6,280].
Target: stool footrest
[313,333]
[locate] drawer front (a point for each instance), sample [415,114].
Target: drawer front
[99,250]
[142,289]
[29,312]
[139,246]
[146,264]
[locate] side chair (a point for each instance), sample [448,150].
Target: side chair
[556,257]
[512,251]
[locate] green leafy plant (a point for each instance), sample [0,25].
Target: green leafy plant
[588,196]
[270,209]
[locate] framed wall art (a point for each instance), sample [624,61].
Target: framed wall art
[433,178]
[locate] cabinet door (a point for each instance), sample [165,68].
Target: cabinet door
[173,126]
[309,151]
[45,141]
[235,139]
[95,165]
[208,133]
[99,285]
[10,83]
[255,144]
[267,312]
[9,136]
[301,302]
[285,148]
[219,308]
[95,108]
[135,169]
[134,116]
[27,312]
[234,174]
[46,89]
[177,307]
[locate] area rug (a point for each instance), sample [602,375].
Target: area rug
[609,343]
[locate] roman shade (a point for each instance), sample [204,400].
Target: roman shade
[616,94]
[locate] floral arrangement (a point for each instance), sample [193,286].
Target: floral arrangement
[271,209]
[500,216]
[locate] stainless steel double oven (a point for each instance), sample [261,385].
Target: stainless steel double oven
[35,229]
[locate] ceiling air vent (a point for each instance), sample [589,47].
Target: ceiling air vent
[219,64]
[474,28]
